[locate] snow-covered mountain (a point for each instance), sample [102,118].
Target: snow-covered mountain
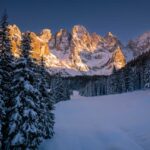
[139,45]
[75,53]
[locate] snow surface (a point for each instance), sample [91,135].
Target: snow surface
[114,122]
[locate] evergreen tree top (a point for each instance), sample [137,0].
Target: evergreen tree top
[26,45]
[4,18]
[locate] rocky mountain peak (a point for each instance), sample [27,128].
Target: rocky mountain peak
[46,35]
[109,34]
[62,39]
[75,53]
[78,31]
[15,36]
[139,45]
[119,59]
[82,39]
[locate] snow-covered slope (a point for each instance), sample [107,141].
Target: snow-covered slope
[114,122]
[139,45]
[75,53]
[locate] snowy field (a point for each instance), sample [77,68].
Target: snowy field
[114,122]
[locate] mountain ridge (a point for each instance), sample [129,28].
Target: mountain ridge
[73,53]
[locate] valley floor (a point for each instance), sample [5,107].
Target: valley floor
[114,122]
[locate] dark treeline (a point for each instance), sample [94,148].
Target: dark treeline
[134,76]
[85,83]
[59,88]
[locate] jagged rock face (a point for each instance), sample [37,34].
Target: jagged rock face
[75,53]
[139,45]
[40,45]
[60,46]
[62,40]
[105,57]
[88,53]
[97,40]
[81,38]
[15,38]
[118,58]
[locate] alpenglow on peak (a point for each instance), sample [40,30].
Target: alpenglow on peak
[73,53]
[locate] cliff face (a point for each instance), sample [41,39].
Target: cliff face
[75,53]
[39,44]
[15,38]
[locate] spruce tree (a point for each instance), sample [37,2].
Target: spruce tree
[24,122]
[6,75]
[2,114]
[31,118]
[46,102]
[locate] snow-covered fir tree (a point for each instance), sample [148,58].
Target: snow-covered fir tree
[2,114]
[6,74]
[30,119]
[46,102]
[25,102]
[23,119]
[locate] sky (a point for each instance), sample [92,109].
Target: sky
[124,18]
